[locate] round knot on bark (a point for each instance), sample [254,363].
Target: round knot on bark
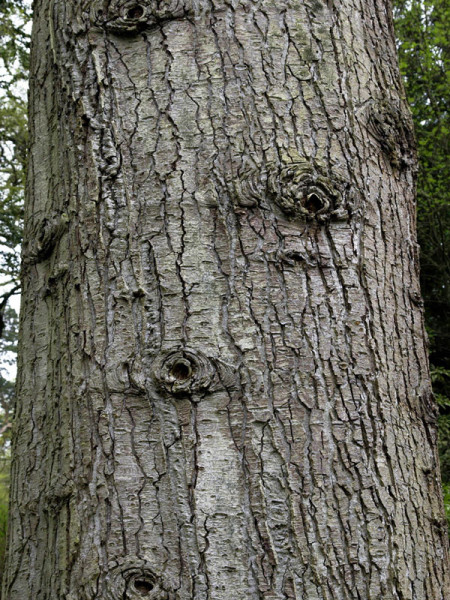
[142,586]
[301,190]
[133,16]
[136,580]
[135,12]
[184,371]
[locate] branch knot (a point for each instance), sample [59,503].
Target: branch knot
[185,371]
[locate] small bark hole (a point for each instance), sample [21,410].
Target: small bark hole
[313,203]
[135,12]
[181,370]
[143,587]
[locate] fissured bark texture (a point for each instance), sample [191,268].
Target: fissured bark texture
[224,391]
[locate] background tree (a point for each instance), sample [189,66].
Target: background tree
[423,29]
[14,54]
[223,383]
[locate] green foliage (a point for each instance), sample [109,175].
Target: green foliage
[446,488]
[441,385]
[444,446]
[13,151]
[14,57]
[440,377]
[423,30]
[15,47]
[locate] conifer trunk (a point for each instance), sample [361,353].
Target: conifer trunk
[223,390]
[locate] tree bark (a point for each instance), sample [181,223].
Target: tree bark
[223,390]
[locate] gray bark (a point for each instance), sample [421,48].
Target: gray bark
[224,390]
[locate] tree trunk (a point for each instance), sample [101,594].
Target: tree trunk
[224,391]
